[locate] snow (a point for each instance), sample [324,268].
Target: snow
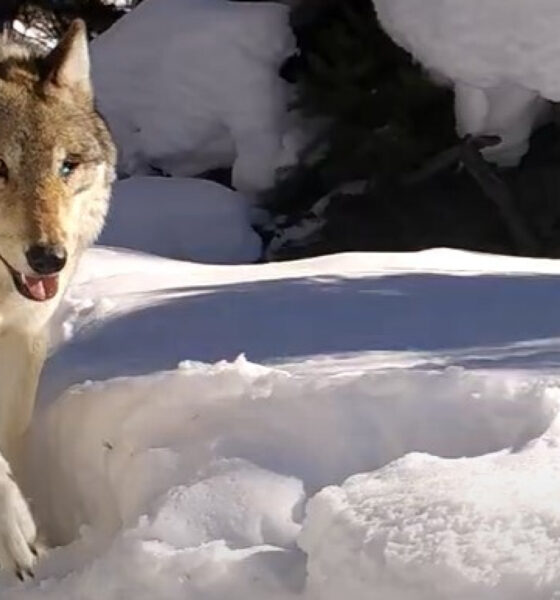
[391,431]
[499,56]
[435,528]
[194,219]
[34,35]
[213,97]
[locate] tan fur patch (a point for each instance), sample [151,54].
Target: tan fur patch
[47,119]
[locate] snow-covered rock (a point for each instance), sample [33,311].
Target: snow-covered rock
[500,56]
[192,85]
[188,219]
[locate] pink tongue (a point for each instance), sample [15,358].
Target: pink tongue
[42,288]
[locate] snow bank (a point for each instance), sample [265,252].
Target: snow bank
[428,528]
[131,314]
[500,56]
[189,219]
[172,478]
[194,481]
[192,85]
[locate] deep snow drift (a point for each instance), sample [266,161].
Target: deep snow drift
[213,97]
[501,58]
[184,479]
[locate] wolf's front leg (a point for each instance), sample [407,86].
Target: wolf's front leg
[21,359]
[17,528]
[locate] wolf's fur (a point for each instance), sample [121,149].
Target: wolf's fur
[46,115]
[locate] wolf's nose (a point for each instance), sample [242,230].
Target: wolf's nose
[46,260]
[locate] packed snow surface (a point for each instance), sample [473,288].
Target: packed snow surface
[500,56]
[190,219]
[391,431]
[193,85]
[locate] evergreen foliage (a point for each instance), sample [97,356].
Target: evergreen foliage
[381,116]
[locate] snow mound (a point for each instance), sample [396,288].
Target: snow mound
[189,219]
[193,85]
[428,528]
[500,56]
[192,482]
[171,478]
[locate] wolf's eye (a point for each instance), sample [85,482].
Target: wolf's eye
[68,166]
[3,170]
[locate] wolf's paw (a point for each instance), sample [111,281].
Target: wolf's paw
[17,529]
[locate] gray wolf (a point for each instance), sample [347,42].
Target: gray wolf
[57,163]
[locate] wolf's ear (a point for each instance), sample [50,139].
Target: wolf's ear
[68,63]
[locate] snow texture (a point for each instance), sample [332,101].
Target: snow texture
[189,219]
[428,528]
[181,475]
[213,97]
[500,57]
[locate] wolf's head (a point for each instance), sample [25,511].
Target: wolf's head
[56,163]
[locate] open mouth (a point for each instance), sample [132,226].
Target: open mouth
[34,287]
